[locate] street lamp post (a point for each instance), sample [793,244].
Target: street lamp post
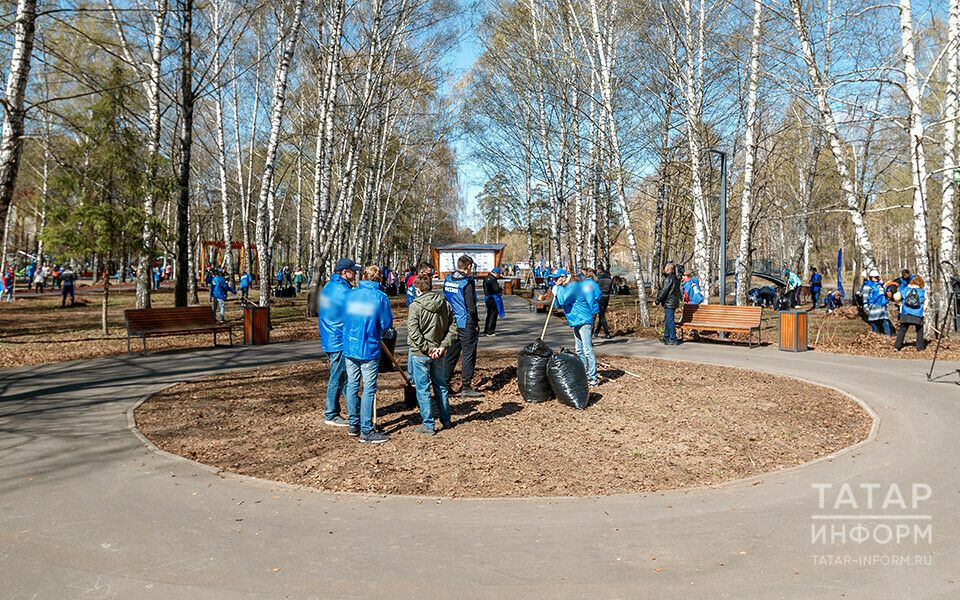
[722,275]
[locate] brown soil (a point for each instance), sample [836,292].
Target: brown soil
[681,425]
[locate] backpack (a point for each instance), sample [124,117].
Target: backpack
[912,299]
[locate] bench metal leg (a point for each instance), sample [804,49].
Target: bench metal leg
[143,338]
[214,339]
[128,343]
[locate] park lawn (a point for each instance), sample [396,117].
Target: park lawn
[35,331]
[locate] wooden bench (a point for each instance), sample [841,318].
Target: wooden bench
[720,317]
[159,322]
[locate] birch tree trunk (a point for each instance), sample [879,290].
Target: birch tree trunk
[151,88]
[606,92]
[222,144]
[918,165]
[11,141]
[321,217]
[750,157]
[692,94]
[829,125]
[265,205]
[951,148]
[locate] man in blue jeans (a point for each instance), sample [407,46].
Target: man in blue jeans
[218,294]
[580,300]
[366,316]
[669,299]
[431,330]
[333,299]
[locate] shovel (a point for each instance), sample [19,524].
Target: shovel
[409,390]
[547,321]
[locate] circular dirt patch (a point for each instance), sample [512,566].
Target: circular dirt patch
[679,425]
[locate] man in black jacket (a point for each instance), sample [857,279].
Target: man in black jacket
[491,289]
[605,281]
[669,299]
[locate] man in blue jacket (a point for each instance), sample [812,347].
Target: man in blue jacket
[366,316]
[332,304]
[461,292]
[218,294]
[245,281]
[580,300]
[816,286]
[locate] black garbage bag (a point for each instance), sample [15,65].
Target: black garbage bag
[568,379]
[532,372]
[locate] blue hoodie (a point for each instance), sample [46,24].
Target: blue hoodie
[333,301]
[366,316]
[245,281]
[219,288]
[579,300]
[691,288]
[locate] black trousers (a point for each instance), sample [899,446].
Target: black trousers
[490,325]
[466,348]
[602,316]
[902,333]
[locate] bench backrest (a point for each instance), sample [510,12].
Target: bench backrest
[148,319]
[743,316]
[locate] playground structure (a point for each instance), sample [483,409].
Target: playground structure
[213,254]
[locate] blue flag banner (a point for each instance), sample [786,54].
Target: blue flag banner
[843,294]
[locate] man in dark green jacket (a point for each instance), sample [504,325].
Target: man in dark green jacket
[431,330]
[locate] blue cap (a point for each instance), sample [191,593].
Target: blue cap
[346,263]
[560,273]
[495,270]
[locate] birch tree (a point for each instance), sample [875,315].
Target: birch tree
[750,157]
[11,138]
[918,163]
[951,152]
[151,81]
[829,124]
[265,208]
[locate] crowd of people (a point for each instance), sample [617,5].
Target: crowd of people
[443,329]
[907,292]
[443,326]
[61,279]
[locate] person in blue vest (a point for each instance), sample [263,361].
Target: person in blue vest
[875,304]
[913,299]
[156,278]
[332,304]
[218,294]
[461,292]
[904,280]
[580,300]
[245,282]
[366,317]
[816,286]
[692,294]
[31,269]
[493,300]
